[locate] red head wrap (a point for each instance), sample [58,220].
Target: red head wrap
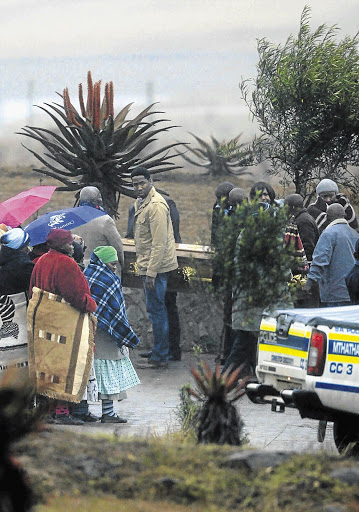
[58,238]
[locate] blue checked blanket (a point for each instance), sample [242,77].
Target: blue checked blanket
[106,290]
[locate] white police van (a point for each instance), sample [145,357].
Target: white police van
[309,359]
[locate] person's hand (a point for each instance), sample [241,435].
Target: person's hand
[311,287]
[150,283]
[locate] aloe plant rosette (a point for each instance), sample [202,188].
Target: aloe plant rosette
[218,419]
[93,147]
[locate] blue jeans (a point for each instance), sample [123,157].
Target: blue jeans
[157,312]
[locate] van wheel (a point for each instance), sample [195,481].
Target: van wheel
[346,432]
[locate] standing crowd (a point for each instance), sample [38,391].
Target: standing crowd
[62,308]
[326,248]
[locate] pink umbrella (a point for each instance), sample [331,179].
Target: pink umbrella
[15,210]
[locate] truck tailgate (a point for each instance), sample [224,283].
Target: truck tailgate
[282,352]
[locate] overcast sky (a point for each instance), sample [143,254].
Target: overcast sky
[44,28]
[193,53]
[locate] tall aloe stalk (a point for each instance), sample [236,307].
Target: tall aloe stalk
[96,148]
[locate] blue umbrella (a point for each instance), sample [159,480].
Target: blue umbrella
[68,219]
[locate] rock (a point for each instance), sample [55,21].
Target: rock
[202,331]
[200,319]
[334,507]
[134,313]
[256,460]
[349,476]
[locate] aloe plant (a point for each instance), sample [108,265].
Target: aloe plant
[220,158]
[96,148]
[218,419]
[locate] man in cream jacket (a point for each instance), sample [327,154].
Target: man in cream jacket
[155,257]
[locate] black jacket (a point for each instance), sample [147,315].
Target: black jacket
[318,211]
[352,282]
[218,213]
[308,232]
[15,271]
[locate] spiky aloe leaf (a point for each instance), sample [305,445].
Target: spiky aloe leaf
[121,116]
[96,148]
[221,158]
[196,395]
[200,382]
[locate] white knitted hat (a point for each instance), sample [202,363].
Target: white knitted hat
[327,186]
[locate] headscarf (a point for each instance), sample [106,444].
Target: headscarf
[106,290]
[15,238]
[58,238]
[106,253]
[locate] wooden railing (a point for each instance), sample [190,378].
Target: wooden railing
[194,267]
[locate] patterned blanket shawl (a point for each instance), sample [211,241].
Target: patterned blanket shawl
[13,333]
[61,346]
[106,290]
[294,245]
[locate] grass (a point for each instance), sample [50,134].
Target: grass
[108,503]
[192,192]
[77,472]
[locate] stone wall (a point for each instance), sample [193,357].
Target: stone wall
[200,317]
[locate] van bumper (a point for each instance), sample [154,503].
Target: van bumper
[309,405]
[266,394]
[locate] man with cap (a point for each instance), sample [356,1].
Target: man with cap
[230,232]
[307,227]
[221,209]
[328,193]
[332,257]
[100,231]
[15,263]
[236,197]
[58,273]
[155,257]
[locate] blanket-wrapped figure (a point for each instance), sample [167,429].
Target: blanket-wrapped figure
[60,326]
[15,273]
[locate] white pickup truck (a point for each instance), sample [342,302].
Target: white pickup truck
[309,359]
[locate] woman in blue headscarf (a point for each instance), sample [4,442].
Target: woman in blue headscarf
[15,264]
